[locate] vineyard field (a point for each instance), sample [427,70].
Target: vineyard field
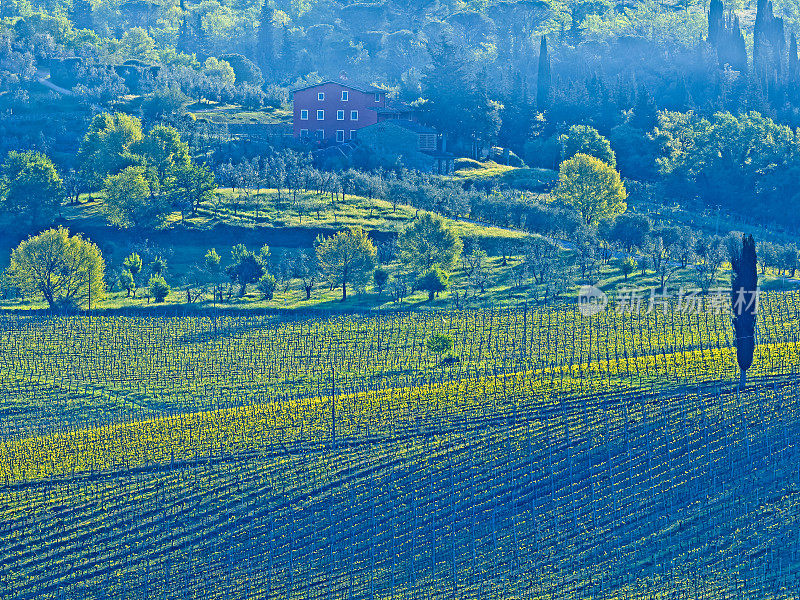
[555,456]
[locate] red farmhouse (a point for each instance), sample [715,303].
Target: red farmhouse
[334,111]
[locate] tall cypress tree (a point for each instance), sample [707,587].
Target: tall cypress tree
[744,302]
[81,14]
[265,44]
[543,80]
[794,60]
[716,21]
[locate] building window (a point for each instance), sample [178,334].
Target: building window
[320,115]
[304,115]
[321,96]
[340,135]
[352,134]
[340,115]
[377,97]
[354,115]
[345,95]
[320,134]
[303,134]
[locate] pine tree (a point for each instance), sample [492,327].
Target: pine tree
[544,78]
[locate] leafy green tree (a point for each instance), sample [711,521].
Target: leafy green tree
[380,277]
[582,139]
[132,199]
[189,185]
[212,265]
[133,264]
[30,187]
[429,242]
[126,282]
[159,289]
[108,146]
[433,281]
[591,187]
[68,271]
[348,257]
[266,285]
[158,266]
[164,150]
[136,43]
[627,267]
[219,70]
[247,267]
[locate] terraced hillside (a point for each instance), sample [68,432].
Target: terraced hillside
[559,457]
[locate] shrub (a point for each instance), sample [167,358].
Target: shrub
[158,288]
[439,343]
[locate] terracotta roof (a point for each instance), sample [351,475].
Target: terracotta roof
[367,89]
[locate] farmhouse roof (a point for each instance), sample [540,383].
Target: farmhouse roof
[367,89]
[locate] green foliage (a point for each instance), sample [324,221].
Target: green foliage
[433,281]
[266,285]
[731,160]
[133,263]
[66,270]
[158,287]
[429,242]
[630,231]
[439,343]
[247,267]
[347,257]
[126,282]
[107,148]
[583,139]
[381,278]
[591,187]
[627,266]
[189,184]
[30,187]
[132,199]
[219,70]
[137,44]
[164,150]
[158,266]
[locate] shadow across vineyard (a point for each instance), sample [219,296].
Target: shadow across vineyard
[559,457]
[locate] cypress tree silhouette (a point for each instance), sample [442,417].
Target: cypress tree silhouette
[744,301]
[81,14]
[716,21]
[266,37]
[543,78]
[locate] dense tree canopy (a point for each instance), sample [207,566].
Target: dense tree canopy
[30,187]
[347,258]
[592,187]
[65,270]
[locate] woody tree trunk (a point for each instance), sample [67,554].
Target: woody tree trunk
[744,301]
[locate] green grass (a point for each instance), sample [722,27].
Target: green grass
[490,172]
[236,115]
